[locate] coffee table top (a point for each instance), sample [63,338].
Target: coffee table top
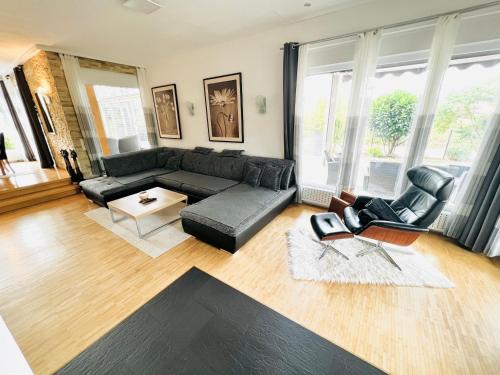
[130,205]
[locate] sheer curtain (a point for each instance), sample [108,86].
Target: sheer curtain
[83,111]
[147,106]
[365,62]
[299,119]
[475,210]
[445,35]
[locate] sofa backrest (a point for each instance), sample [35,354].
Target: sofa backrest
[213,164]
[130,162]
[287,178]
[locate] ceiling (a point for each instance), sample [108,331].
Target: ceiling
[107,30]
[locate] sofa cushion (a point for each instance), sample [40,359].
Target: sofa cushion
[271,177]
[202,150]
[253,174]
[149,174]
[227,153]
[287,165]
[195,183]
[174,162]
[130,162]
[98,186]
[228,167]
[236,208]
[163,157]
[198,163]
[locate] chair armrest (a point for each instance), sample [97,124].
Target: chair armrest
[396,225]
[338,205]
[348,197]
[362,200]
[401,234]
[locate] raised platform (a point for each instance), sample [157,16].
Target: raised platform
[32,185]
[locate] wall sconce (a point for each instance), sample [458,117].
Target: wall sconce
[190,108]
[260,100]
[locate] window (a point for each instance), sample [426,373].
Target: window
[325,110]
[395,95]
[469,95]
[13,145]
[121,112]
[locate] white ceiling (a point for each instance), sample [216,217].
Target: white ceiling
[107,30]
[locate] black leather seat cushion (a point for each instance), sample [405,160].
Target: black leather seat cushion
[328,224]
[351,220]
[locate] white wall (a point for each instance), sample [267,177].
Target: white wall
[259,59]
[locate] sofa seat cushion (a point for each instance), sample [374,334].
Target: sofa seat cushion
[237,208]
[139,176]
[195,183]
[100,185]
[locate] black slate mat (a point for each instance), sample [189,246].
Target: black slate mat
[199,325]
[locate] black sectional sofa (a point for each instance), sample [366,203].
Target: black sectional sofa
[224,210]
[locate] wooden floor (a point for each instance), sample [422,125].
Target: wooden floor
[65,281]
[29,174]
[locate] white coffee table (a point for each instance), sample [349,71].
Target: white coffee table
[131,208]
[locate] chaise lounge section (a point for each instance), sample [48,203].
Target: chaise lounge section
[226,212]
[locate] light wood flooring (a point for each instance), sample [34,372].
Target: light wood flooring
[65,281]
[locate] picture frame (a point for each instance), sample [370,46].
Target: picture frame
[224,108]
[43,103]
[167,111]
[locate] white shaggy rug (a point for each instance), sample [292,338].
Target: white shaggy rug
[373,268]
[154,244]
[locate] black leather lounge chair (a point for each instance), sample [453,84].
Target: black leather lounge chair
[417,207]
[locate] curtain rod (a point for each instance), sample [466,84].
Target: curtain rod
[403,23]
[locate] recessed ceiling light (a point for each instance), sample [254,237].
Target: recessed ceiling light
[307,4]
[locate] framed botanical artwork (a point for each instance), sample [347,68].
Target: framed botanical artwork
[167,111]
[43,104]
[223,102]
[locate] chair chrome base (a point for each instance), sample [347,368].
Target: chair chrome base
[328,245]
[380,249]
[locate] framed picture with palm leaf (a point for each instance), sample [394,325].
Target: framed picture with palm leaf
[167,111]
[223,102]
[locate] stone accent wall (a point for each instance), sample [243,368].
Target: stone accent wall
[106,65]
[39,75]
[45,70]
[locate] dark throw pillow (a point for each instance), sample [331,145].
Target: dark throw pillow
[202,150]
[252,175]
[230,153]
[163,157]
[271,177]
[174,162]
[380,208]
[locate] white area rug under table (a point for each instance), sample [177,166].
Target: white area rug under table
[154,244]
[373,268]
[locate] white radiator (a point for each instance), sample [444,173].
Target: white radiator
[316,196]
[440,223]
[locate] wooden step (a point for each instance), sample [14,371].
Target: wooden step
[31,199]
[31,189]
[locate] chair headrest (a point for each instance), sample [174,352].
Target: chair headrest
[432,180]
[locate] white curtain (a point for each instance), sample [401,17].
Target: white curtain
[365,63]
[83,111]
[147,106]
[443,42]
[299,118]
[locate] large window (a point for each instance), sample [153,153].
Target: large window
[121,112]
[470,93]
